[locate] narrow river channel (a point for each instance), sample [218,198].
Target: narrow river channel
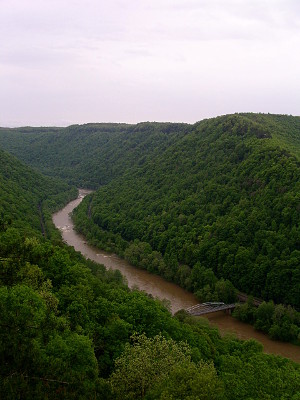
[177,297]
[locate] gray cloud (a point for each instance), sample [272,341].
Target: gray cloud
[146,60]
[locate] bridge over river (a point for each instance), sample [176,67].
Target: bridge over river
[214,306]
[210,307]
[157,287]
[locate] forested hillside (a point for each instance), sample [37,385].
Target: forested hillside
[284,128]
[27,197]
[90,155]
[221,196]
[69,329]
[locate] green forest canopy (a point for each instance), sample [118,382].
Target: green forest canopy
[26,196]
[72,330]
[222,194]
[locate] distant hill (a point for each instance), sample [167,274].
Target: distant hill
[285,130]
[221,195]
[27,197]
[216,198]
[89,155]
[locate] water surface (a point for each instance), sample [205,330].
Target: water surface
[139,278]
[155,285]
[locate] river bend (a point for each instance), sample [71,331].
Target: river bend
[155,285]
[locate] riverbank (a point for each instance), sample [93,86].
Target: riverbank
[177,297]
[229,325]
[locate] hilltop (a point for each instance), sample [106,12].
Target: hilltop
[221,195]
[72,330]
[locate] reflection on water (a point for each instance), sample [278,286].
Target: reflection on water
[158,287]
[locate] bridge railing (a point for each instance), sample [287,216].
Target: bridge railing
[210,307]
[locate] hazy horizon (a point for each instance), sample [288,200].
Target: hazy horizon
[68,62]
[130,123]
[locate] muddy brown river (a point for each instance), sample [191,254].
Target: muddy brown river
[177,297]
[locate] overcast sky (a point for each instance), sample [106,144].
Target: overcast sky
[66,61]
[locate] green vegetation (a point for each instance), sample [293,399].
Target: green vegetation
[223,197]
[207,206]
[89,155]
[279,322]
[72,330]
[159,368]
[27,198]
[284,128]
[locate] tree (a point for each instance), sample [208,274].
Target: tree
[225,291]
[145,363]
[264,316]
[189,381]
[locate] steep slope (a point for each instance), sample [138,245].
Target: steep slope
[285,130]
[89,155]
[27,197]
[93,154]
[67,324]
[223,197]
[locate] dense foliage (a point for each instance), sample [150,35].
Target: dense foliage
[93,154]
[223,193]
[72,330]
[28,198]
[279,322]
[89,155]
[70,333]
[218,200]
[223,198]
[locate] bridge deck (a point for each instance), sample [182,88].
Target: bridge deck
[201,309]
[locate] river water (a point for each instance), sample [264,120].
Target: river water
[177,297]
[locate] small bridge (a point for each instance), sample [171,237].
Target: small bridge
[209,307]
